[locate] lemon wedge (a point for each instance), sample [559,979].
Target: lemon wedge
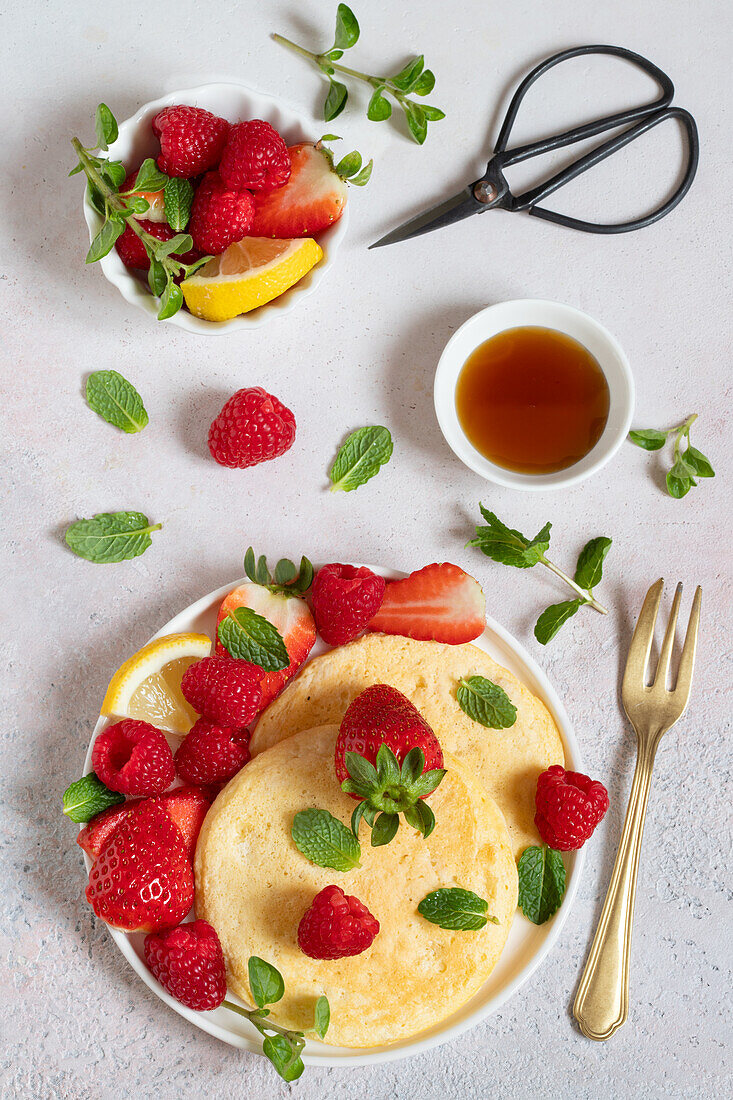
[148,685]
[251,272]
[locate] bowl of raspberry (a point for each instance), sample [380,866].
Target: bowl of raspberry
[252,187]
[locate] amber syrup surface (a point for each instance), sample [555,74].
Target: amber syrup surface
[532,400]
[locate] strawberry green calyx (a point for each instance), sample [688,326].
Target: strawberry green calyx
[389,790]
[288,579]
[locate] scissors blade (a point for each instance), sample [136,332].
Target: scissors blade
[445,213]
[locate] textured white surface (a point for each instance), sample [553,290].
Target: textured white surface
[76,1021]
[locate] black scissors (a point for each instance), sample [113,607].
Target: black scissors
[492,192]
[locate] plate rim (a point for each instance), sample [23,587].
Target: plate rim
[418,1045]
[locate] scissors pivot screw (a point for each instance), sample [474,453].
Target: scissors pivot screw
[484,191]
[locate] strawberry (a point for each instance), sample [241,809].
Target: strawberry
[186,806]
[142,880]
[188,961]
[95,834]
[313,198]
[281,605]
[440,603]
[389,759]
[155,200]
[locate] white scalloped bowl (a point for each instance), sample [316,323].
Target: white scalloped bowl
[137,141]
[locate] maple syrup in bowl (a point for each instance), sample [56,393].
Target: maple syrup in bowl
[533,394]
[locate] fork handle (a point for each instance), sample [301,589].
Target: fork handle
[602,1001]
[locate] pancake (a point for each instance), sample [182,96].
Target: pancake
[253,886]
[506,761]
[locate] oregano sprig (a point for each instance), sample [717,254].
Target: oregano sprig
[412,78]
[105,178]
[509,547]
[686,465]
[282,1046]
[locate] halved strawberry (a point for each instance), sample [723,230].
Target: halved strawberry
[313,198]
[95,834]
[187,807]
[440,603]
[279,600]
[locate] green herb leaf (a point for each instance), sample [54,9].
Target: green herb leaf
[251,637]
[265,982]
[650,439]
[678,487]
[325,841]
[87,797]
[171,301]
[379,108]
[699,464]
[425,83]
[322,1017]
[137,205]
[105,126]
[348,165]
[114,173]
[541,883]
[178,196]
[432,114]
[416,121]
[280,1052]
[105,240]
[455,908]
[149,177]
[182,242]
[362,179]
[507,546]
[553,617]
[96,199]
[486,703]
[406,79]
[111,536]
[157,278]
[116,400]
[385,829]
[347,28]
[361,456]
[335,100]
[589,570]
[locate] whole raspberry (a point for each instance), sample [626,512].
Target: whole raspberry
[188,961]
[191,140]
[344,599]
[224,690]
[255,156]
[569,806]
[133,757]
[336,925]
[252,427]
[219,216]
[212,754]
[132,250]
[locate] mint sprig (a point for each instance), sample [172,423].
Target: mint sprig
[456,909]
[251,637]
[389,790]
[541,874]
[282,1046]
[360,458]
[86,797]
[111,536]
[486,703]
[510,547]
[413,78]
[116,400]
[325,841]
[686,465]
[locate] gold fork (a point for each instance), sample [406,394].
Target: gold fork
[602,1001]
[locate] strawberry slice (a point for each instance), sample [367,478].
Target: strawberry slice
[186,807]
[313,198]
[95,834]
[440,603]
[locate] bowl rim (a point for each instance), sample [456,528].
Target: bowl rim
[621,390]
[130,286]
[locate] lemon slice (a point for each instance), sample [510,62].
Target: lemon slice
[251,272]
[148,684]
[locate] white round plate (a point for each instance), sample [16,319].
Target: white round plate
[526,946]
[136,141]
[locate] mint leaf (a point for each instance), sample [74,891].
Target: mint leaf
[335,100]
[379,108]
[699,464]
[279,1050]
[178,197]
[105,126]
[347,28]
[649,438]
[541,883]
[111,536]
[87,797]
[455,908]
[407,79]
[149,177]
[361,456]
[322,1017]
[589,570]
[325,840]
[265,982]
[486,703]
[553,617]
[105,240]
[116,400]
[507,546]
[251,637]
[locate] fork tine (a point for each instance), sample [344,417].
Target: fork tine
[641,642]
[666,652]
[687,660]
